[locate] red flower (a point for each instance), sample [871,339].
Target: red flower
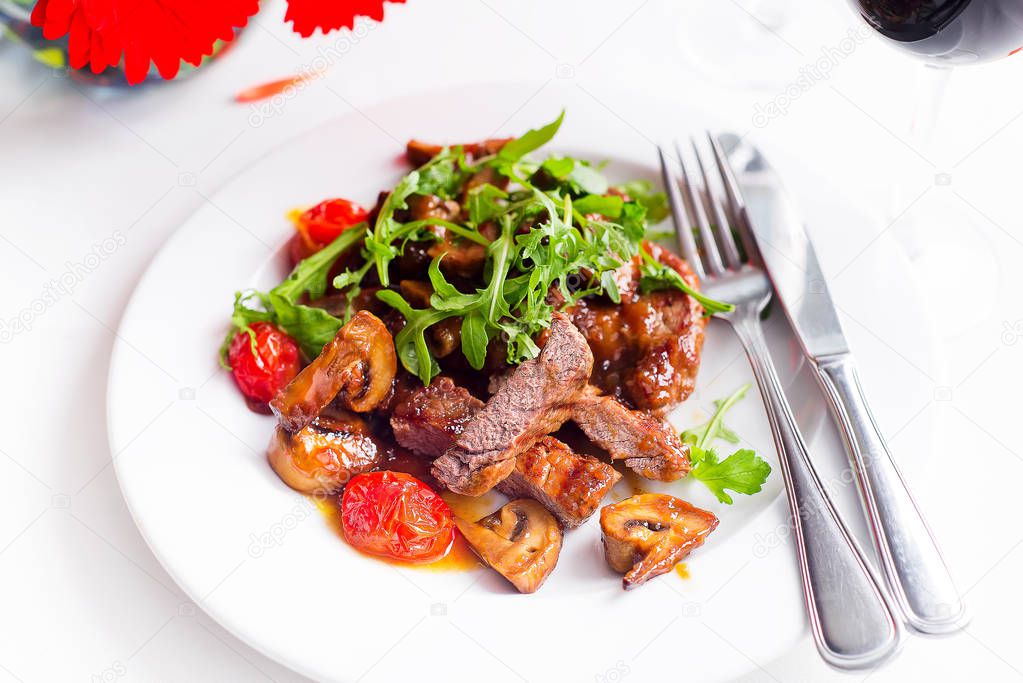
[103,32]
[308,15]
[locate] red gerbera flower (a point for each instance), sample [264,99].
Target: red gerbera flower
[308,15]
[163,32]
[103,32]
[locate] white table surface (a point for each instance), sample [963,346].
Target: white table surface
[81,597]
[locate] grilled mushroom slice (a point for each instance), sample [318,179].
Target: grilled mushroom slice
[324,455]
[646,535]
[520,540]
[357,367]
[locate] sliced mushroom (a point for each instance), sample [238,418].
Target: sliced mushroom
[357,367]
[323,456]
[646,535]
[521,541]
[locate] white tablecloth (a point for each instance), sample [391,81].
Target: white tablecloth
[91,184]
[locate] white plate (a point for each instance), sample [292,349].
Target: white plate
[265,563]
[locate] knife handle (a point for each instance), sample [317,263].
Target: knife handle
[850,621]
[914,570]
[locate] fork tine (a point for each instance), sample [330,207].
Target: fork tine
[736,204]
[695,203]
[719,221]
[680,218]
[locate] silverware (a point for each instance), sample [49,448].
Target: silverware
[915,573]
[850,621]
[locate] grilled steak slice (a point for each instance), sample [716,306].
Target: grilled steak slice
[428,420]
[534,401]
[570,485]
[646,443]
[646,349]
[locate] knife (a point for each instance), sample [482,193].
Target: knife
[915,572]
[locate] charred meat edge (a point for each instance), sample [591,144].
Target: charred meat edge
[533,402]
[568,484]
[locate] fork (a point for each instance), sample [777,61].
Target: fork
[850,618]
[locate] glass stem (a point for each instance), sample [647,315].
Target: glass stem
[929,94]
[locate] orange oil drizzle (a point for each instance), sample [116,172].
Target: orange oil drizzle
[459,559]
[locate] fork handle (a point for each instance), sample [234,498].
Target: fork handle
[914,570]
[850,622]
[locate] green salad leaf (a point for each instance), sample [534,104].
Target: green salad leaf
[655,275]
[562,234]
[742,472]
[653,201]
[531,141]
[310,326]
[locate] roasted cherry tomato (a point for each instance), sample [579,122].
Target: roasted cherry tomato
[262,374]
[395,515]
[320,225]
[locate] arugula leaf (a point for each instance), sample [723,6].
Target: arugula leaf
[655,275]
[546,244]
[653,201]
[484,203]
[587,180]
[609,205]
[427,179]
[378,243]
[410,343]
[444,179]
[558,167]
[580,176]
[310,275]
[312,327]
[475,339]
[531,141]
[242,318]
[743,471]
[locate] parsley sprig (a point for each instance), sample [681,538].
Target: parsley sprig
[742,472]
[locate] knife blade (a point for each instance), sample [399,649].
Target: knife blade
[787,253]
[915,572]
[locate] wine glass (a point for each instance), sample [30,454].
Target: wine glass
[943,34]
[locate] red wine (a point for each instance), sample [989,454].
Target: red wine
[948,31]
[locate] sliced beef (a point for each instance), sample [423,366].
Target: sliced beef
[646,443]
[535,400]
[646,349]
[570,485]
[430,418]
